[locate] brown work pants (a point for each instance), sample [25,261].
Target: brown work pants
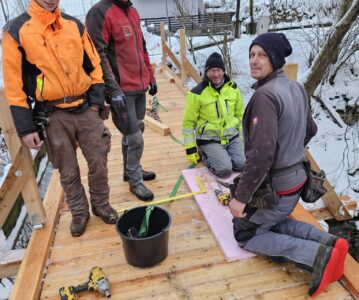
[68,130]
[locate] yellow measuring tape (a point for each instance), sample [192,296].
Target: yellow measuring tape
[202,190]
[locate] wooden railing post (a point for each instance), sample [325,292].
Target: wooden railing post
[163,42]
[183,54]
[23,173]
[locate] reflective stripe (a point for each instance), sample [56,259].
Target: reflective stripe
[212,134]
[187,131]
[189,139]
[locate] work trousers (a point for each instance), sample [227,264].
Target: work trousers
[270,233]
[221,160]
[132,142]
[68,130]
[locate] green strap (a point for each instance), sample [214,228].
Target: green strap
[177,140]
[145,222]
[179,181]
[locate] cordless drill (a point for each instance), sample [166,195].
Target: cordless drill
[97,282]
[222,197]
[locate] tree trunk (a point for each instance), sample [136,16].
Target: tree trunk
[332,45]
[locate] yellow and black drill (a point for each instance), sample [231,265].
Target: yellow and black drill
[98,282]
[223,197]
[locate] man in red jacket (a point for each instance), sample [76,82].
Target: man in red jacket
[114,26]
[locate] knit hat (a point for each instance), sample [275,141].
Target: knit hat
[214,61]
[276,46]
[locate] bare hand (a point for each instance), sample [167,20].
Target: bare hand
[32,141]
[236,208]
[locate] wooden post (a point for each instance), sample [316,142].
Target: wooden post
[291,71]
[183,54]
[163,42]
[24,171]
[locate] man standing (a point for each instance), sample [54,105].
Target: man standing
[277,125]
[114,26]
[50,64]
[212,120]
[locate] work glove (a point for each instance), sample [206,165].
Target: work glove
[153,88]
[119,112]
[194,158]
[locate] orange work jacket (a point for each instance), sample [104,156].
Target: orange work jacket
[48,56]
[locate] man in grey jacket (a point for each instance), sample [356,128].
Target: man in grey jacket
[277,125]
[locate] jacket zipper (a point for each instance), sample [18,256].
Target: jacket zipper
[226,101]
[138,55]
[217,110]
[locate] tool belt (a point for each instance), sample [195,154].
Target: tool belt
[206,142]
[313,188]
[65,100]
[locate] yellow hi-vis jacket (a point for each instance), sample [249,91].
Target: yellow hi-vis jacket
[48,56]
[211,114]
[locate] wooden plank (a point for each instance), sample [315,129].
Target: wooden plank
[331,199]
[172,56]
[28,282]
[14,182]
[351,268]
[31,193]
[10,262]
[13,142]
[192,71]
[183,54]
[178,81]
[163,42]
[157,126]
[169,76]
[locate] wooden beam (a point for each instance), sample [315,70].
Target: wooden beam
[31,193]
[157,126]
[178,80]
[32,269]
[351,267]
[331,199]
[12,140]
[10,262]
[169,76]
[183,54]
[191,71]
[172,57]
[15,180]
[163,42]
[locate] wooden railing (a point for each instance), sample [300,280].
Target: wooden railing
[19,179]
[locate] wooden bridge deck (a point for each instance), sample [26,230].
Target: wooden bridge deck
[195,267]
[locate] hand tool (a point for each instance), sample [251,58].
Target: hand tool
[222,197]
[97,282]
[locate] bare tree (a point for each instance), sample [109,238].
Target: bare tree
[225,49]
[331,47]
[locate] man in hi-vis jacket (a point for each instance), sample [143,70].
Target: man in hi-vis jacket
[52,74]
[114,26]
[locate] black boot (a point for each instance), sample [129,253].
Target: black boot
[106,213]
[146,176]
[141,192]
[78,224]
[324,265]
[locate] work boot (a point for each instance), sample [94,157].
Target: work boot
[78,224]
[146,176]
[343,247]
[141,192]
[106,213]
[324,265]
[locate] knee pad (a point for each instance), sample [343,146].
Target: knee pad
[243,230]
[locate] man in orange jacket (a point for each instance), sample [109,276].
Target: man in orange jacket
[52,68]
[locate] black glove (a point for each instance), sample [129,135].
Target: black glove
[119,112]
[153,88]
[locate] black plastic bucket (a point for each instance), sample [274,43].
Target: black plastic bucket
[150,250]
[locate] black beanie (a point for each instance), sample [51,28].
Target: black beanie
[214,61]
[275,45]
